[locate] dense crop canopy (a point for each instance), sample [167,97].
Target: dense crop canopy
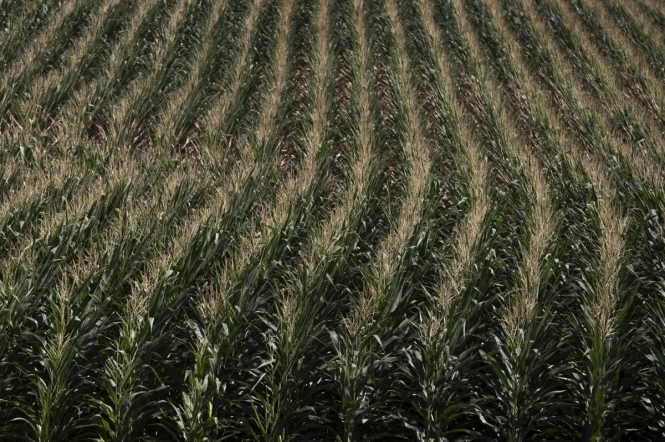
[332,220]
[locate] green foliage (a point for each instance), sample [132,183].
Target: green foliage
[208,228]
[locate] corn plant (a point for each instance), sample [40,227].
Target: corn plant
[621,115]
[46,59]
[94,53]
[23,22]
[222,53]
[631,77]
[635,231]
[130,60]
[343,220]
[167,74]
[640,39]
[654,15]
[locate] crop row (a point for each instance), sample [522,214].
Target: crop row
[331,220]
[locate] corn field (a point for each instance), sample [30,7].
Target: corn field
[332,220]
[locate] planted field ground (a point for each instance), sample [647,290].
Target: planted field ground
[332,220]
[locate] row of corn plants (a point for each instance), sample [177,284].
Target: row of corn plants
[120,419]
[435,365]
[67,130]
[89,293]
[170,69]
[244,109]
[327,220]
[627,300]
[127,61]
[294,316]
[134,397]
[371,336]
[639,147]
[221,327]
[650,12]
[117,415]
[524,372]
[526,385]
[277,411]
[623,161]
[85,61]
[29,281]
[187,423]
[586,126]
[579,207]
[501,230]
[655,378]
[254,272]
[21,22]
[120,406]
[305,307]
[621,116]
[638,36]
[211,139]
[221,53]
[41,57]
[630,76]
[339,255]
